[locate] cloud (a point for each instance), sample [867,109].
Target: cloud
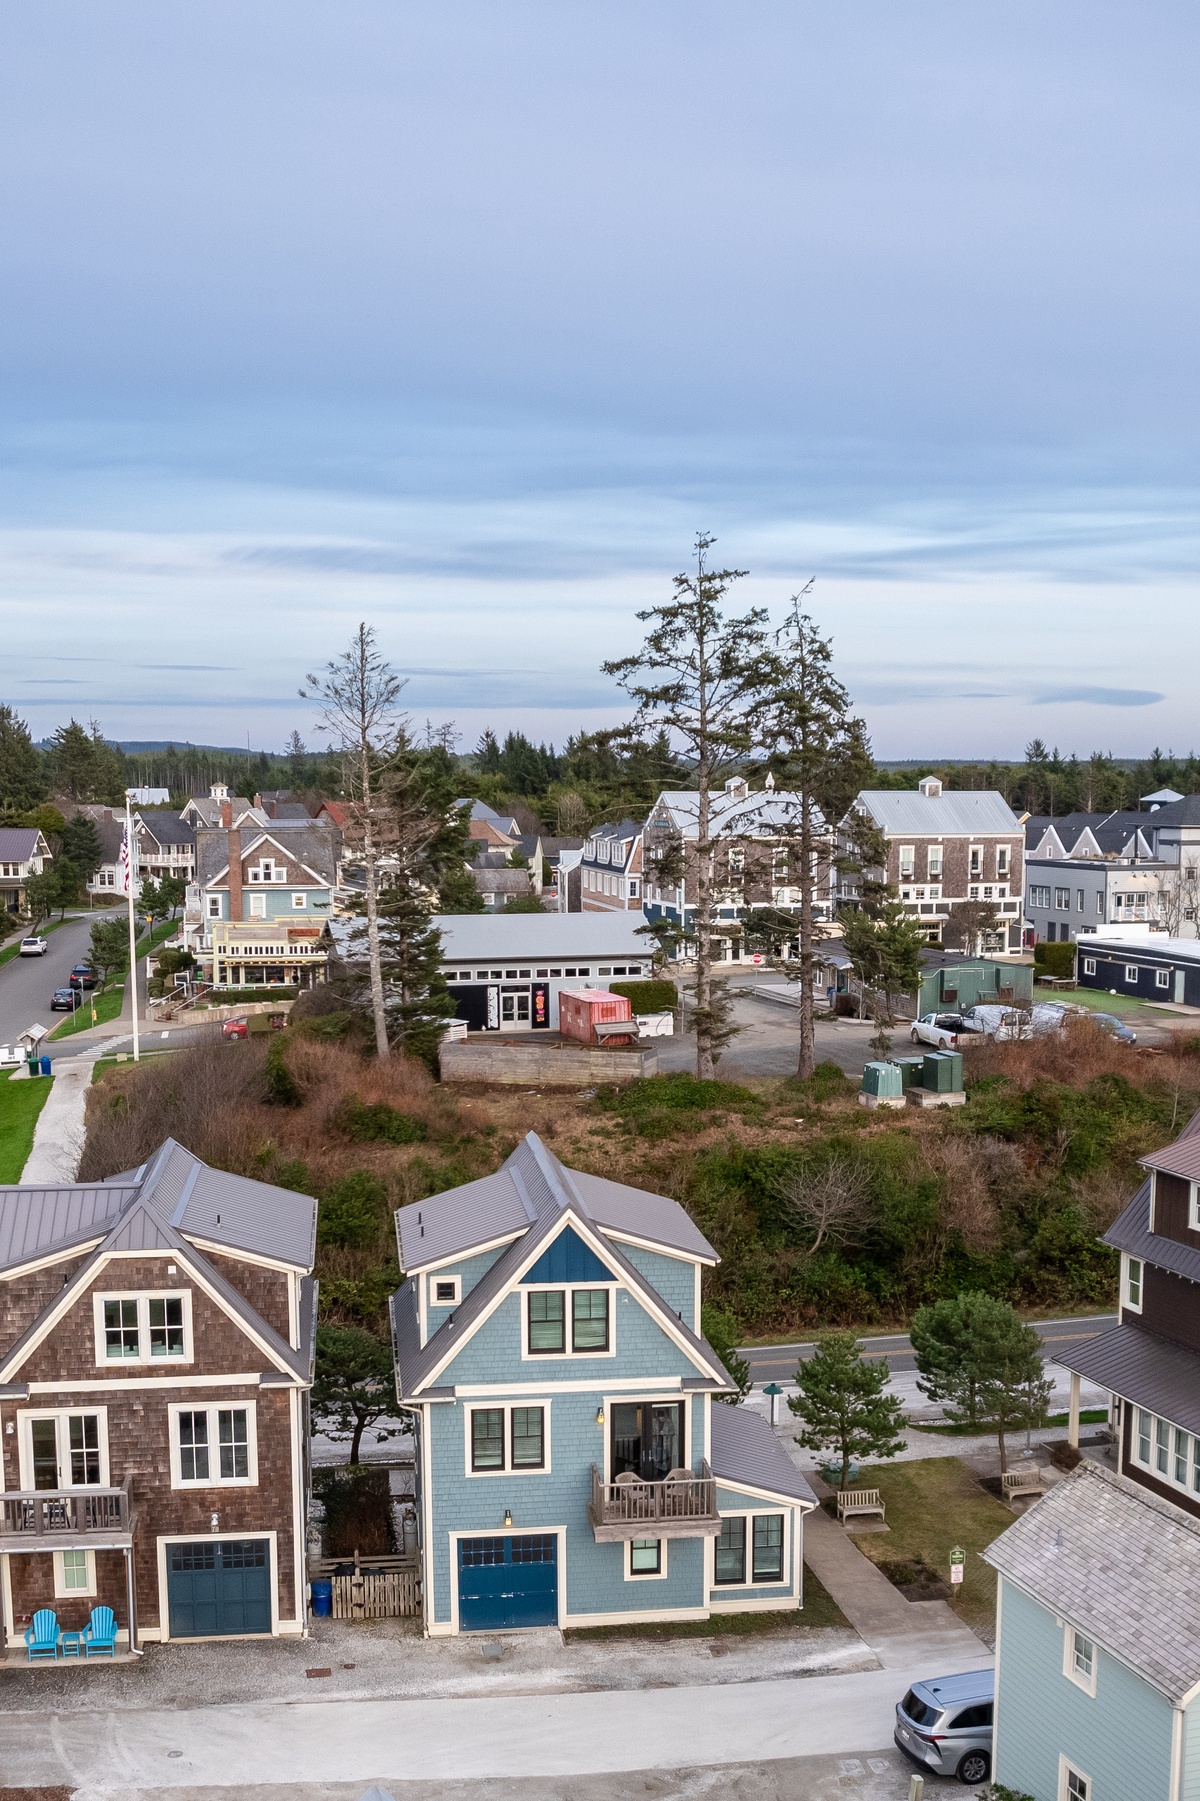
[1100,697]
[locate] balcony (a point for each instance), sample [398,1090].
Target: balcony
[682,1506]
[54,1519]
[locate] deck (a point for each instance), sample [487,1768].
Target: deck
[682,1506]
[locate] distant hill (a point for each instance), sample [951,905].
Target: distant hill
[133,747]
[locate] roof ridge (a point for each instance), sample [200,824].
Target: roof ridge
[557,1175]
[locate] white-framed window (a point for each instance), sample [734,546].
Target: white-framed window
[214,906]
[214,1447]
[751,1551]
[934,862]
[143,1328]
[1079,1659]
[1166,1450]
[74,1574]
[1062,900]
[569,1321]
[299,901]
[646,1560]
[508,1440]
[1089,966]
[1132,1296]
[908,861]
[1039,896]
[1194,1206]
[633,888]
[258,906]
[975,865]
[1100,903]
[1162,978]
[444,1291]
[1002,859]
[1131,972]
[1073,1785]
[59,1447]
[1079,900]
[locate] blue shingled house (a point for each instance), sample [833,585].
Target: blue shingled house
[573,1469]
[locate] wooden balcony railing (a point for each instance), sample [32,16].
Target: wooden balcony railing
[683,1505]
[60,1514]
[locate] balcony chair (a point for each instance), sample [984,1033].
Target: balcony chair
[100,1633]
[41,1638]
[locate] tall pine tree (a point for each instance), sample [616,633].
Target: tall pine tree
[21,782]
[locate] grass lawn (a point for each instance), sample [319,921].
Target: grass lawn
[1091,1416]
[820,1609]
[1095,998]
[108,1008]
[933,1505]
[20,1104]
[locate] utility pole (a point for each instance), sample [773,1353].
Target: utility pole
[129,860]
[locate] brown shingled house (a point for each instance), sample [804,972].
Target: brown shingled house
[156,1351]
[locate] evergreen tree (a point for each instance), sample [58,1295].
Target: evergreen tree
[843,1405]
[21,781]
[721,1330]
[109,949]
[83,766]
[66,884]
[354,1385]
[978,1357]
[884,951]
[487,753]
[81,843]
[41,896]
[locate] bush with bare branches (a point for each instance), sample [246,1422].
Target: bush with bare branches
[831,1205]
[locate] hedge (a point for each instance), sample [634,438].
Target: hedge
[1057,960]
[648,997]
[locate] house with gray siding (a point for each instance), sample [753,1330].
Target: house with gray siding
[579,1461]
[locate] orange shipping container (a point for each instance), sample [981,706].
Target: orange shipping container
[581,1009]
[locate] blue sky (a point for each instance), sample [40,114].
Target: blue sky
[463,320]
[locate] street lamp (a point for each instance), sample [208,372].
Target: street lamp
[773,1389]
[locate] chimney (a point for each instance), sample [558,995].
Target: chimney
[226,815]
[234,838]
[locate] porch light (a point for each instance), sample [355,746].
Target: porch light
[508,1516]
[599,1416]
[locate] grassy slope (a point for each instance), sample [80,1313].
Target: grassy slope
[933,1505]
[20,1104]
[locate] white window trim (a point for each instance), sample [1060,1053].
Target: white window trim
[214,1478]
[907,861]
[1065,1769]
[658,1575]
[975,856]
[1072,1674]
[214,906]
[258,906]
[1194,1206]
[434,1300]
[1131,972]
[1089,966]
[299,901]
[1127,1301]
[640,1398]
[506,1407]
[143,1299]
[25,1419]
[187,1538]
[567,1289]
[61,1591]
[750,1514]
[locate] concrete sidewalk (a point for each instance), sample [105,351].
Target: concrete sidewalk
[60,1131]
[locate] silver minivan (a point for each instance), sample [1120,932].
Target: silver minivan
[946,1725]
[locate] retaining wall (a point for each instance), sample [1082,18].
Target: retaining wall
[543,1065]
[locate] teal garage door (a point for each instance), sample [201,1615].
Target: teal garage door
[506,1582]
[219,1587]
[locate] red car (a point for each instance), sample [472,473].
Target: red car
[235,1028]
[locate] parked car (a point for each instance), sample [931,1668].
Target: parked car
[942,1030]
[83,976]
[1108,1022]
[33,946]
[235,1028]
[65,1000]
[946,1725]
[1004,1024]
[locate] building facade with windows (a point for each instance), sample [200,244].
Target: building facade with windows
[611,878]
[1098,1634]
[156,1352]
[578,1462]
[505,972]
[945,847]
[23,853]
[257,913]
[1141,963]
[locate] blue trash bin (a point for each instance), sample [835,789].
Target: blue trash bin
[322,1599]
[47,1068]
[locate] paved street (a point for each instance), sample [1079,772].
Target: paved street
[27,983]
[777,1363]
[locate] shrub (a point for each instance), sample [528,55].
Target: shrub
[1057,960]
[370,1124]
[648,997]
[283,1090]
[679,1093]
[358,1511]
[351,1213]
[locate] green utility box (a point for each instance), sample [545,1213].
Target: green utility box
[883,1080]
[943,1072]
[912,1071]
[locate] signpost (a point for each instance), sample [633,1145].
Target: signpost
[773,1389]
[958,1561]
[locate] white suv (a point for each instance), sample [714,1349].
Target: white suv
[33,946]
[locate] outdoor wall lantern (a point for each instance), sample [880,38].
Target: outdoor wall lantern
[508,1516]
[599,1416]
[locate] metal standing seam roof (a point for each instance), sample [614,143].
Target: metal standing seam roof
[18,842]
[954,812]
[744,1449]
[1119,1564]
[763,810]
[36,1220]
[1130,1232]
[1179,1159]
[555,937]
[1153,944]
[1144,1369]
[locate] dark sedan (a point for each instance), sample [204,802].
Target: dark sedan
[83,976]
[65,1000]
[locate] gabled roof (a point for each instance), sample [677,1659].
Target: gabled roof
[1176,812]
[1130,1232]
[529,1200]
[20,842]
[1118,1563]
[744,1450]
[762,812]
[953,812]
[314,842]
[166,827]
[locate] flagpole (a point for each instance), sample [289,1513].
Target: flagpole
[130,879]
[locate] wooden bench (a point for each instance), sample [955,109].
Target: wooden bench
[1022,1482]
[853,1501]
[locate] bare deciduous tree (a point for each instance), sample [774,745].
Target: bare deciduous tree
[833,1203]
[1177,897]
[359,694]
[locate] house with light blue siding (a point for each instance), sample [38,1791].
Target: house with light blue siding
[579,1461]
[1098,1645]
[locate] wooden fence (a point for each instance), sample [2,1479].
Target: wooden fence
[380,1588]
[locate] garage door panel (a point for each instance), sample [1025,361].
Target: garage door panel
[507,1582]
[219,1588]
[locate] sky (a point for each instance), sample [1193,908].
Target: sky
[464,319]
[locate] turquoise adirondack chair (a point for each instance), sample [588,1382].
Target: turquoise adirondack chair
[100,1633]
[41,1639]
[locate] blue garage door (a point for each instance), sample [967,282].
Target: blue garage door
[219,1587]
[507,1582]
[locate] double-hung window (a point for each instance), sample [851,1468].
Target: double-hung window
[1073,1785]
[548,1314]
[213,1447]
[143,1328]
[768,1547]
[1133,1284]
[589,1319]
[762,1534]
[506,1438]
[731,1552]
[1079,1660]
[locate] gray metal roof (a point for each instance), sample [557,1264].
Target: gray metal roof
[761,812]
[745,1449]
[1130,1232]
[1124,1567]
[36,1220]
[953,811]
[553,937]
[18,842]
[638,1214]
[1144,1369]
[1179,1159]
